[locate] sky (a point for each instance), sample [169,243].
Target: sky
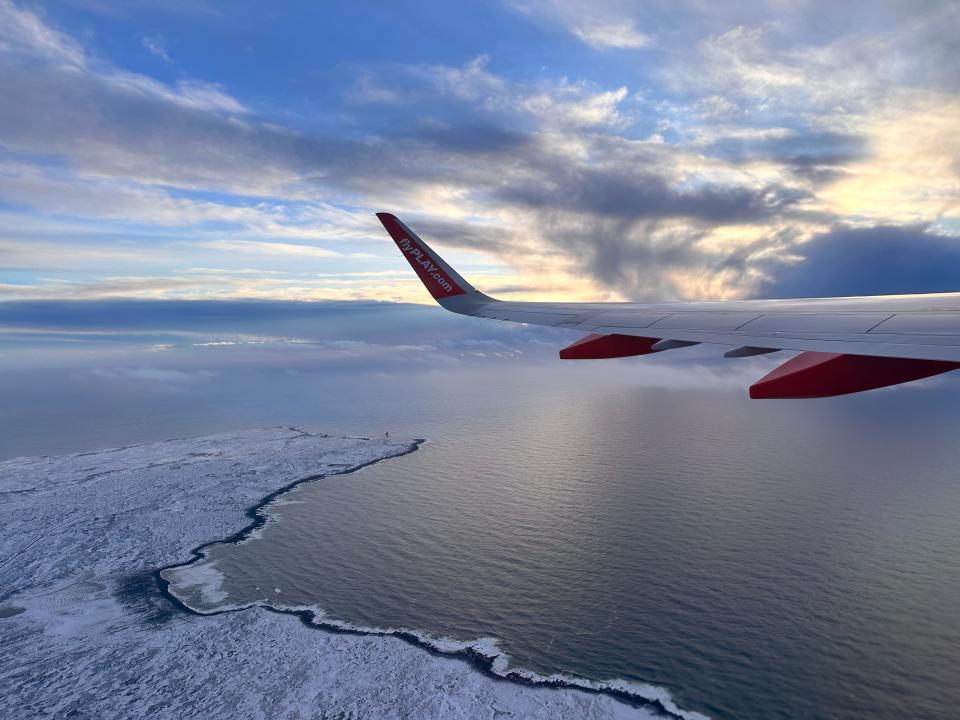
[549,149]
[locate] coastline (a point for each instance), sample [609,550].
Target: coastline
[476,677]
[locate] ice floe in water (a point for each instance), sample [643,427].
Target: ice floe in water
[85,631]
[206,581]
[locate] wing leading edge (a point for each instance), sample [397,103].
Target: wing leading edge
[846,345]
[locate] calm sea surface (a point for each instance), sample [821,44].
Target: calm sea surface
[759,560]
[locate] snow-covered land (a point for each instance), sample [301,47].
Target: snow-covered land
[86,633]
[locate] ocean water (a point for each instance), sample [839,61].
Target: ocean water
[637,519]
[758,560]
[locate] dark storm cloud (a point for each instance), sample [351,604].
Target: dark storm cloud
[621,255]
[870,261]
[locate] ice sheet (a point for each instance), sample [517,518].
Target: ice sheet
[85,632]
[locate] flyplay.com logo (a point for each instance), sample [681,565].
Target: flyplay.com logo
[417,256]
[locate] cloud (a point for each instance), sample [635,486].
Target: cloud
[105,120]
[275,248]
[155,45]
[152,374]
[555,104]
[193,335]
[767,70]
[910,173]
[25,33]
[70,254]
[620,35]
[602,24]
[577,110]
[737,143]
[611,187]
[367,90]
[870,261]
[60,192]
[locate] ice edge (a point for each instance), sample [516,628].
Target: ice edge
[482,654]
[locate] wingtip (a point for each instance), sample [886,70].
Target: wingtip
[440,279]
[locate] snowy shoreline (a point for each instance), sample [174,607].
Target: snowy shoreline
[87,624]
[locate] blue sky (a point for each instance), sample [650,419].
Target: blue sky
[550,148]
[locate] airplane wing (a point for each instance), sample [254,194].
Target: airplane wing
[846,344]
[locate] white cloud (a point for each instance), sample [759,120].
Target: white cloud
[206,96]
[593,110]
[620,35]
[554,104]
[153,374]
[155,45]
[601,24]
[367,90]
[275,248]
[22,31]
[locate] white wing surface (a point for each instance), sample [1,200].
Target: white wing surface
[847,344]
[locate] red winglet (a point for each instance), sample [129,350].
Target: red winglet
[817,374]
[597,347]
[431,269]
